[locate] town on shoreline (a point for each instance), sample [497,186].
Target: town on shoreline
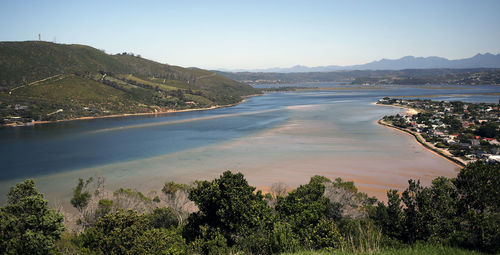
[459,131]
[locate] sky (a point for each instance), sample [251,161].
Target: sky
[261,34]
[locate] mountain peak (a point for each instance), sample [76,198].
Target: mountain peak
[407,57]
[486,60]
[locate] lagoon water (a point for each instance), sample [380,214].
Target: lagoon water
[277,137]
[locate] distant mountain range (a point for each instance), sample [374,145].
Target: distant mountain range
[487,60]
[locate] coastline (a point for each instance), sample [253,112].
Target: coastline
[420,139]
[409,110]
[129,114]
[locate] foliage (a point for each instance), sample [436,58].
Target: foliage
[488,130]
[325,235]
[348,202]
[479,205]
[126,232]
[27,224]
[114,233]
[423,249]
[128,199]
[81,198]
[228,205]
[304,208]
[390,217]
[362,235]
[464,211]
[234,218]
[163,217]
[170,188]
[159,241]
[176,198]
[210,241]
[283,239]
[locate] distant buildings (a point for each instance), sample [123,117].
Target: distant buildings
[465,130]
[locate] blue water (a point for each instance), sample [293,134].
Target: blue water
[67,146]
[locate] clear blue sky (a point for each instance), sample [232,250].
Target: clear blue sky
[261,34]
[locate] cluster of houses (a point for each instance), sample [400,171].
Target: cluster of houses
[13,119]
[469,131]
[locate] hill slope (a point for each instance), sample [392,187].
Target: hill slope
[48,81]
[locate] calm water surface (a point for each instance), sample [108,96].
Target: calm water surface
[286,137]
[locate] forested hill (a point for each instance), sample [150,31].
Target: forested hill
[42,77]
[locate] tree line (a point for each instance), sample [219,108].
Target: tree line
[227,215]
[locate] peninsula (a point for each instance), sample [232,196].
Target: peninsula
[461,132]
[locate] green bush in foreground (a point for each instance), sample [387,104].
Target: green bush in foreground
[235,219]
[464,211]
[27,224]
[229,206]
[126,232]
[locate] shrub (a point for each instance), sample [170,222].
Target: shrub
[160,241]
[229,205]
[282,239]
[324,235]
[27,224]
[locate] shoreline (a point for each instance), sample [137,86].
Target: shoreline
[420,139]
[128,114]
[409,110]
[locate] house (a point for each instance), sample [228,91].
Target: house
[450,141]
[492,141]
[494,159]
[20,107]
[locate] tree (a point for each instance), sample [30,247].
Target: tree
[114,233]
[412,223]
[27,224]
[81,196]
[488,130]
[159,241]
[228,205]
[440,214]
[278,189]
[454,123]
[479,205]
[176,197]
[325,235]
[304,208]
[163,217]
[390,217]
[282,239]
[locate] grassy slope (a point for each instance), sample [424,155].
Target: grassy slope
[73,94]
[131,84]
[426,249]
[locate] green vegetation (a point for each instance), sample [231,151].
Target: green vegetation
[227,216]
[423,249]
[27,224]
[371,77]
[46,81]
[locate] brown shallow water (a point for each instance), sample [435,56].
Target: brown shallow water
[319,139]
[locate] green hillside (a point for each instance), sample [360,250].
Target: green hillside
[48,81]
